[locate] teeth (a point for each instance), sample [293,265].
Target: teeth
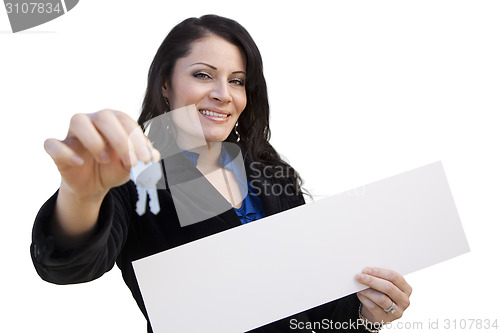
[213,114]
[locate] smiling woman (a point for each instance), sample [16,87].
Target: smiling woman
[212,77]
[207,74]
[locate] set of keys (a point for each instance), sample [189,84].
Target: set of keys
[146,177]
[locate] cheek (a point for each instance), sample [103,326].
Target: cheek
[184,94]
[187,93]
[242,103]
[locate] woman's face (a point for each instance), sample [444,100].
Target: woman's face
[212,77]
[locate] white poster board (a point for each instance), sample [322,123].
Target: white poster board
[260,272]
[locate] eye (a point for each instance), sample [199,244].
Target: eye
[202,75]
[238,82]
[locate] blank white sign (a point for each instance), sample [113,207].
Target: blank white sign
[266,270]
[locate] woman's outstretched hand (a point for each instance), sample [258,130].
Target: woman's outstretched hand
[95,156]
[387,297]
[98,151]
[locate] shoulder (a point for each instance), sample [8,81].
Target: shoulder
[276,193]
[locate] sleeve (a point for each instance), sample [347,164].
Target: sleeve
[342,314]
[87,260]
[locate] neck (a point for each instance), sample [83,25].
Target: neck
[209,158]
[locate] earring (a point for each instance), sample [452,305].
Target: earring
[238,137]
[166,102]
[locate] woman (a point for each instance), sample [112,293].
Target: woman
[209,66]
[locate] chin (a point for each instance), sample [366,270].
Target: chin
[215,137]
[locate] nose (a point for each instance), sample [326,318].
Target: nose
[220,92]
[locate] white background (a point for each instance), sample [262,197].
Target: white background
[359,91]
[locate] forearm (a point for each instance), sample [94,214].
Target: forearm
[74,216]
[67,259]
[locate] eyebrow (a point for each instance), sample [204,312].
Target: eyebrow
[215,68]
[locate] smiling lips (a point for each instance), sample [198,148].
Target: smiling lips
[214,115]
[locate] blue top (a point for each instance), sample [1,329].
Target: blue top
[251,208]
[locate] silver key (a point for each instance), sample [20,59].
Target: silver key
[146,176]
[140,206]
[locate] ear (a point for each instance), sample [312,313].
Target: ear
[165,89]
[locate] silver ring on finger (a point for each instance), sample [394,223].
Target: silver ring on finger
[391,309]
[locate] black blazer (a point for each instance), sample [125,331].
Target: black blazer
[122,236]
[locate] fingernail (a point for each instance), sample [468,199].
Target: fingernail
[77,160]
[359,277]
[367,270]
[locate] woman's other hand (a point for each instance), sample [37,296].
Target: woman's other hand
[387,297]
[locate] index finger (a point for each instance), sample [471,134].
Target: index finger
[397,279]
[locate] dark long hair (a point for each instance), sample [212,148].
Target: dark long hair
[253,123]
